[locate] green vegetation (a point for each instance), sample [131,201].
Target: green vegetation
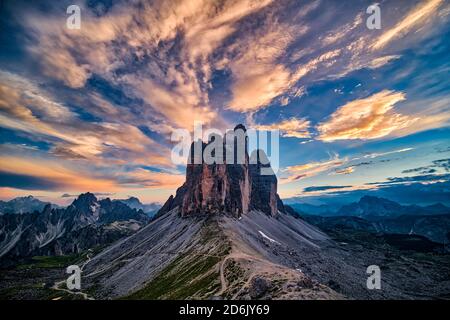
[50,261]
[193,274]
[35,291]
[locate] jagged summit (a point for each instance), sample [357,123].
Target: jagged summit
[222,187]
[84,201]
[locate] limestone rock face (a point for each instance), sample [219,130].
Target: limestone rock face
[230,188]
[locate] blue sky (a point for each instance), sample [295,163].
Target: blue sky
[360,111]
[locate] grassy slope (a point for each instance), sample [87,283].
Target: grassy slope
[195,273]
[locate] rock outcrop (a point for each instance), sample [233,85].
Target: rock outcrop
[233,187]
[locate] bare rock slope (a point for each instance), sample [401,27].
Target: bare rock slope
[201,257]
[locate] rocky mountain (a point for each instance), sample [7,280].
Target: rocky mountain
[86,223]
[379,215]
[149,208]
[26,204]
[371,206]
[433,227]
[374,208]
[227,235]
[227,188]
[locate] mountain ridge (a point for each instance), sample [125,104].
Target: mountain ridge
[86,223]
[25,204]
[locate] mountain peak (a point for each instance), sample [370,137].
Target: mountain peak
[85,201]
[24,198]
[234,188]
[133,200]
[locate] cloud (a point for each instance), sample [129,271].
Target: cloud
[368,118]
[423,178]
[257,76]
[302,171]
[297,128]
[166,53]
[381,61]
[97,194]
[150,179]
[173,83]
[346,170]
[372,155]
[324,188]
[335,165]
[27,108]
[27,182]
[47,175]
[421,170]
[411,193]
[181,105]
[443,164]
[343,31]
[412,19]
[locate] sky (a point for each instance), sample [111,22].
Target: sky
[360,111]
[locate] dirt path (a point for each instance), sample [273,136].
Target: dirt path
[56,286]
[234,255]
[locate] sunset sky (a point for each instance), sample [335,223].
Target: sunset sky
[360,110]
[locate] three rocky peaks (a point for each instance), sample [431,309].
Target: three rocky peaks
[234,188]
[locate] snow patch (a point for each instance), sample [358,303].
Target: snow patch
[268,238]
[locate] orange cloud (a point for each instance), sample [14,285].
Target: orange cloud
[56,174]
[24,107]
[414,17]
[258,78]
[307,170]
[297,128]
[151,179]
[367,118]
[347,170]
[174,85]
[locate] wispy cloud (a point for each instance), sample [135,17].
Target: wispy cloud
[46,175]
[346,170]
[297,128]
[33,173]
[368,118]
[27,108]
[417,15]
[372,155]
[306,170]
[335,165]
[324,188]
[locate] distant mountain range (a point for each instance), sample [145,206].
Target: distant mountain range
[371,208]
[375,207]
[379,215]
[30,204]
[26,204]
[86,223]
[150,209]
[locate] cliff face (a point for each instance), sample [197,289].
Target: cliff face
[228,188]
